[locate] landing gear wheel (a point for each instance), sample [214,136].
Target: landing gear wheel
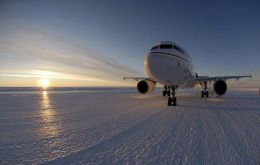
[169,101]
[164,93]
[172,101]
[205,89]
[207,94]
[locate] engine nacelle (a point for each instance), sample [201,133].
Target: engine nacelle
[220,87]
[145,86]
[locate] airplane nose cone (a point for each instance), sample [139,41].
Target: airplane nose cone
[156,66]
[164,69]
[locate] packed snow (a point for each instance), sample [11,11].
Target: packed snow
[108,126]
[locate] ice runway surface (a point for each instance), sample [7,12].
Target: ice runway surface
[124,127]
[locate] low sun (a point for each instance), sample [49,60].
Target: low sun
[44,83]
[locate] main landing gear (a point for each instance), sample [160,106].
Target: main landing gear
[172,100]
[166,91]
[205,91]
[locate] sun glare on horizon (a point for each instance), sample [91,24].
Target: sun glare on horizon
[44,83]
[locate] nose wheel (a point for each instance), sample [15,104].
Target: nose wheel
[172,100]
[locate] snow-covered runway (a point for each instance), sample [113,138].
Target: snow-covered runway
[124,127]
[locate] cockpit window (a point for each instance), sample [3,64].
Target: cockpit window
[155,47]
[178,49]
[166,46]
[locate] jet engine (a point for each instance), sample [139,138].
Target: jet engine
[220,87]
[145,86]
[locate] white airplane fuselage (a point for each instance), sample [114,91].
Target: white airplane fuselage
[169,66]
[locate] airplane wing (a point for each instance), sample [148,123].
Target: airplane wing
[209,79]
[139,78]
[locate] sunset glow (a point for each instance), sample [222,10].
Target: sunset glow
[78,47]
[44,83]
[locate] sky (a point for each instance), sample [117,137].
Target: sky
[96,43]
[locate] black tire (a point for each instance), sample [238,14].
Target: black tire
[202,94]
[207,94]
[164,93]
[169,101]
[174,101]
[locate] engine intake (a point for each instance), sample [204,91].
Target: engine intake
[145,86]
[220,87]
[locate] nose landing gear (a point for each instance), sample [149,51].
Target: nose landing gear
[205,89]
[172,100]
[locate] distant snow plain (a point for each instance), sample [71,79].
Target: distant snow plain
[112,126]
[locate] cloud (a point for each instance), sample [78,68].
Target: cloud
[25,49]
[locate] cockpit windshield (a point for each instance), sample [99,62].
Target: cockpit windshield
[178,49]
[166,46]
[155,47]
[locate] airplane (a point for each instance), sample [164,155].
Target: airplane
[168,64]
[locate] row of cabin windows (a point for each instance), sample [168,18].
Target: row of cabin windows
[168,46]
